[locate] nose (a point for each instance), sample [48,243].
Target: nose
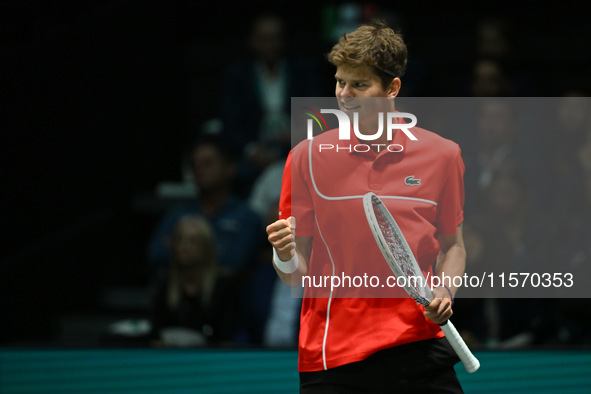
[346,91]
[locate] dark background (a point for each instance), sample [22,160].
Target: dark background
[100,96]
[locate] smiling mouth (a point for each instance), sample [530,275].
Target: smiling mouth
[350,107]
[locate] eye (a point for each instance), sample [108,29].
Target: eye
[359,85]
[340,82]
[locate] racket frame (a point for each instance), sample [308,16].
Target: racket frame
[470,362]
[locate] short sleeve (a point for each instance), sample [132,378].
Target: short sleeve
[450,207]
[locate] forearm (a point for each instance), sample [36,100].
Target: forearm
[451,263]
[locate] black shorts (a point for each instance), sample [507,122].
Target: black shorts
[418,367]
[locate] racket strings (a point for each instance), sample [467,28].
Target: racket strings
[393,240]
[400,258]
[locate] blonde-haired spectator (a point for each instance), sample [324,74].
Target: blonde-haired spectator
[183,308]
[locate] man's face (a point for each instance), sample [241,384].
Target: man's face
[360,89]
[210,169]
[506,195]
[267,40]
[489,80]
[495,124]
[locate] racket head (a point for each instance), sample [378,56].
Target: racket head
[395,249]
[399,257]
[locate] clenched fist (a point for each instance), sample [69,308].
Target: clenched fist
[281,235]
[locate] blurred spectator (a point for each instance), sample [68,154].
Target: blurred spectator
[493,144]
[569,134]
[571,200]
[343,18]
[239,232]
[584,152]
[490,79]
[283,323]
[513,238]
[264,197]
[256,95]
[497,132]
[237,227]
[528,234]
[494,39]
[187,305]
[279,306]
[498,69]
[571,250]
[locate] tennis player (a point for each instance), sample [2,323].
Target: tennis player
[371,344]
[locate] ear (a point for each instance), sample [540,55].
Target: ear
[394,87]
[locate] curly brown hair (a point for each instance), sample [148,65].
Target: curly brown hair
[375,45]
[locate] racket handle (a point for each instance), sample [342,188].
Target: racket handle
[471,363]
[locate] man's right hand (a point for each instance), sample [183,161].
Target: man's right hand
[281,235]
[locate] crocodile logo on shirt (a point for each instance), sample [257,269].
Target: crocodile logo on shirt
[410,180]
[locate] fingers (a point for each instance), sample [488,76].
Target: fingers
[439,310]
[279,230]
[281,235]
[281,224]
[292,223]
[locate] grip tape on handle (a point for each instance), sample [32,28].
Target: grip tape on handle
[470,362]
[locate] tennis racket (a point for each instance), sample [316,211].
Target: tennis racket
[399,257]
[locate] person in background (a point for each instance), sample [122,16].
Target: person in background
[514,237]
[238,230]
[279,305]
[184,310]
[256,95]
[236,226]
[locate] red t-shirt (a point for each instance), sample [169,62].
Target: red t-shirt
[423,188]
